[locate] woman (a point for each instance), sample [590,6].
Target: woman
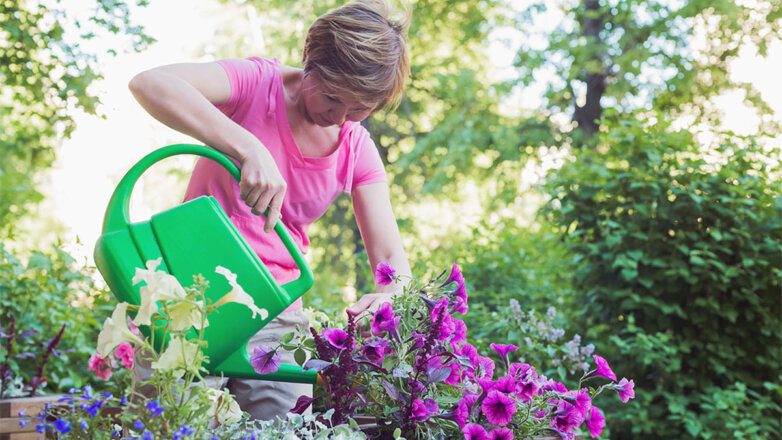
[296,136]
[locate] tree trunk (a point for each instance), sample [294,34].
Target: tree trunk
[587,115]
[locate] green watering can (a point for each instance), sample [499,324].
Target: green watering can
[194,238]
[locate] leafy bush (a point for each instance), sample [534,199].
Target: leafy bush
[43,294]
[678,252]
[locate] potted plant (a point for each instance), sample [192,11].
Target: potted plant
[411,368]
[17,396]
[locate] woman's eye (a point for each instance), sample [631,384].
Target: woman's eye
[332,99]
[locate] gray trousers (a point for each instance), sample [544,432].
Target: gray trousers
[264,400]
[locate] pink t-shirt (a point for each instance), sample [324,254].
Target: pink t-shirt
[257,103]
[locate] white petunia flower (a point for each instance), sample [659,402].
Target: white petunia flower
[179,356]
[185,314]
[115,331]
[237,294]
[160,287]
[224,408]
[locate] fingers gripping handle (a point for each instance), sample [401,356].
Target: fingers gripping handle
[117,213]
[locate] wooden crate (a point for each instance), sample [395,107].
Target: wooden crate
[9,416]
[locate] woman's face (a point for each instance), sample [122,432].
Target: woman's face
[325,108]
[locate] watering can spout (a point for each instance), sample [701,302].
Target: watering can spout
[194,239]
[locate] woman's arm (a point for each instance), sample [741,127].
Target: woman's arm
[183,96]
[380,232]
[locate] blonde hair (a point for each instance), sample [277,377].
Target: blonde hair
[360,52]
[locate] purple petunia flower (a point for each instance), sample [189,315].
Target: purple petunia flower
[455,275]
[459,331]
[474,431]
[498,408]
[625,388]
[503,349]
[265,360]
[567,417]
[525,390]
[419,410]
[375,350]
[582,402]
[384,320]
[501,434]
[506,384]
[154,408]
[336,337]
[384,274]
[463,408]
[603,370]
[596,422]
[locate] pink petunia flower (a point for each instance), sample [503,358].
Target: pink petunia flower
[525,390]
[501,434]
[474,431]
[265,360]
[455,275]
[384,320]
[506,384]
[567,417]
[384,274]
[603,370]
[625,388]
[337,338]
[101,366]
[124,353]
[498,408]
[596,422]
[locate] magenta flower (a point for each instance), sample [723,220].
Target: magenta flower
[582,402]
[375,350]
[459,331]
[501,434]
[455,275]
[384,274]
[474,431]
[595,422]
[101,366]
[336,337]
[551,385]
[447,325]
[503,349]
[419,410]
[498,408]
[124,353]
[265,360]
[603,370]
[485,367]
[432,407]
[384,320]
[506,384]
[521,370]
[567,417]
[525,390]
[455,378]
[463,408]
[625,389]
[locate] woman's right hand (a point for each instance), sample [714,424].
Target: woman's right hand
[262,185]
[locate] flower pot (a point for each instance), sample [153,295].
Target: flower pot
[9,416]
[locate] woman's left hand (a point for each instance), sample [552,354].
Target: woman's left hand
[370,302]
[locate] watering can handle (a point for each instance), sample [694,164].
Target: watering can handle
[117,214]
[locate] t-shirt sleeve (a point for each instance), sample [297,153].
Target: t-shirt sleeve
[245,76]
[369,166]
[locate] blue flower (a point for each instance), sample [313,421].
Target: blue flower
[138,425]
[214,438]
[73,390]
[155,408]
[183,431]
[41,428]
[107,395]
[124,400]
[147,435]
[23,422]
[62,425]
[22,412]
[83,424]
